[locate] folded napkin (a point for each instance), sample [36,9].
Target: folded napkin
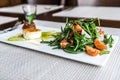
[106,13]
[4,19]
[40,8]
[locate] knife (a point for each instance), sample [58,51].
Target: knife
[11,28]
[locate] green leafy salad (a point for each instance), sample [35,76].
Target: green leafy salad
[82,36]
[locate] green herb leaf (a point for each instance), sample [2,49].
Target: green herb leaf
[31,18]
[104,52]
[109,40]
[90,27]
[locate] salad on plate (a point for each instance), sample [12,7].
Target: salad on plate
[82,36]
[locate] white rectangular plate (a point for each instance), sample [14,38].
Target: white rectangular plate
[36,45]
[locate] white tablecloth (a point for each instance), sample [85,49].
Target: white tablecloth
[5,19]
[107,13]
[18,63]
[40,8]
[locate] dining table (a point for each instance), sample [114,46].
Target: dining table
[18,62]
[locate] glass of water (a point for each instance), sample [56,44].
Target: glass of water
[30,11]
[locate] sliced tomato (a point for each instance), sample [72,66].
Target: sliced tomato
[99,45]
[92,51]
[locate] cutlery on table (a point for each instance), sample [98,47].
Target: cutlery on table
[11,28]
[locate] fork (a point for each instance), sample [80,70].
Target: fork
[11,28]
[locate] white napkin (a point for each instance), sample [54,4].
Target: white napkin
[40,8]
[106,13]
[4,19]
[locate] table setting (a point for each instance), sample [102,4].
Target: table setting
[21,63]
[26,53]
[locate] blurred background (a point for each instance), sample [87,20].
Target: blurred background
[4,3]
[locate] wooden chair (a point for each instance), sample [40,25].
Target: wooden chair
[4,3]
[15,2]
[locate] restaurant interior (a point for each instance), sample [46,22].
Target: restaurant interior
[59,39]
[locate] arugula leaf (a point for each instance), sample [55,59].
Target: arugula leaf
[104,52]
[109,40]
[90,27]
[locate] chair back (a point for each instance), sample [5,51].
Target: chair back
[4,3]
